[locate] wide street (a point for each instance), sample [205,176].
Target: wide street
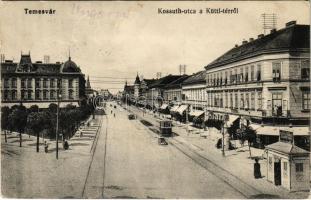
[121,158]
[129,163]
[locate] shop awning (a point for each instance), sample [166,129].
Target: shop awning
[275,130]
[164,106]
[196,113]
[181,109]
[174,108]
[232,118]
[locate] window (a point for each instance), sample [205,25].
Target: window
[270,162]
[246,74]
[37,82]
[236,100]
[226,78]
[241,75]
[277,103]
[246,101]
[276,71]
[23,94]
[14,83]
[52,83]
[59,81]
[253,100]
[305,70]
[6,82]
[306,100]
[70,94]
[38,94]
[242,101]
[45,94]
[231,100]
[29,94]
[14,96]
[29,85]
[252,73]
[70,83]
[226,100]
[45,83]
[259,100]
[52,94]
[258,72]
[299,167]
[6,95]
[23,83]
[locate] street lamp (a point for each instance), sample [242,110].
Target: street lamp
[59,96]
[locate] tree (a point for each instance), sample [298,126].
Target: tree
[52,108]
[5,122]
[250,136]
[33,108]
[36,122]
[18,119]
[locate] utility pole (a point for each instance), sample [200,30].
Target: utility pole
[223,140]
[57,124]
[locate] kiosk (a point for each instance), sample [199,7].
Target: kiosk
[288,165]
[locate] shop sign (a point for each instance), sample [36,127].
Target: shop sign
[286,136]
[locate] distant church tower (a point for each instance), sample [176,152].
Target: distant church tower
[88,89]
[137,87]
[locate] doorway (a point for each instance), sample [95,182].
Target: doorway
[277,173]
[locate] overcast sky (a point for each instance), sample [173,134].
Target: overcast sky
[119,39]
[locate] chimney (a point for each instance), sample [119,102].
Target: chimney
[57,62]
[291,23]
[39,62]
[273,31]
[244,41]
[251,39]
[8,61]
[260,35]
[236,45]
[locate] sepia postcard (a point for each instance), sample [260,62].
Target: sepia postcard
[155,99]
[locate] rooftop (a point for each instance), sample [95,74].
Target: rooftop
[287,148]
[291,38]
[162,82]
[196,78]
[177,83]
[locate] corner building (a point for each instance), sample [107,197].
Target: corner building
[40,83]
[265,82]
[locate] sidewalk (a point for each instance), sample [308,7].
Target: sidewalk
[28,174]
[237,162]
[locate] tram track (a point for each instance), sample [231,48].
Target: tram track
[93,150]
[224,175]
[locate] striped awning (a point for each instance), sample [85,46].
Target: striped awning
[196,113]
[164,106]
[174,108]
[181,109]
[275,130]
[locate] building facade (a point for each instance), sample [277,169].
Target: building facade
[172,94]
[194,91]
[40,83]
[265,80]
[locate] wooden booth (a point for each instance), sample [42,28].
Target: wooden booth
[288,165]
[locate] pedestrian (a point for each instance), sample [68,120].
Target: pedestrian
[114,114]
[81,134]
[66,145]
[111,112]
[46,147]
[257,172]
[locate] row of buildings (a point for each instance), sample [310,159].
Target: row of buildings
[38,83]
[264,82]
